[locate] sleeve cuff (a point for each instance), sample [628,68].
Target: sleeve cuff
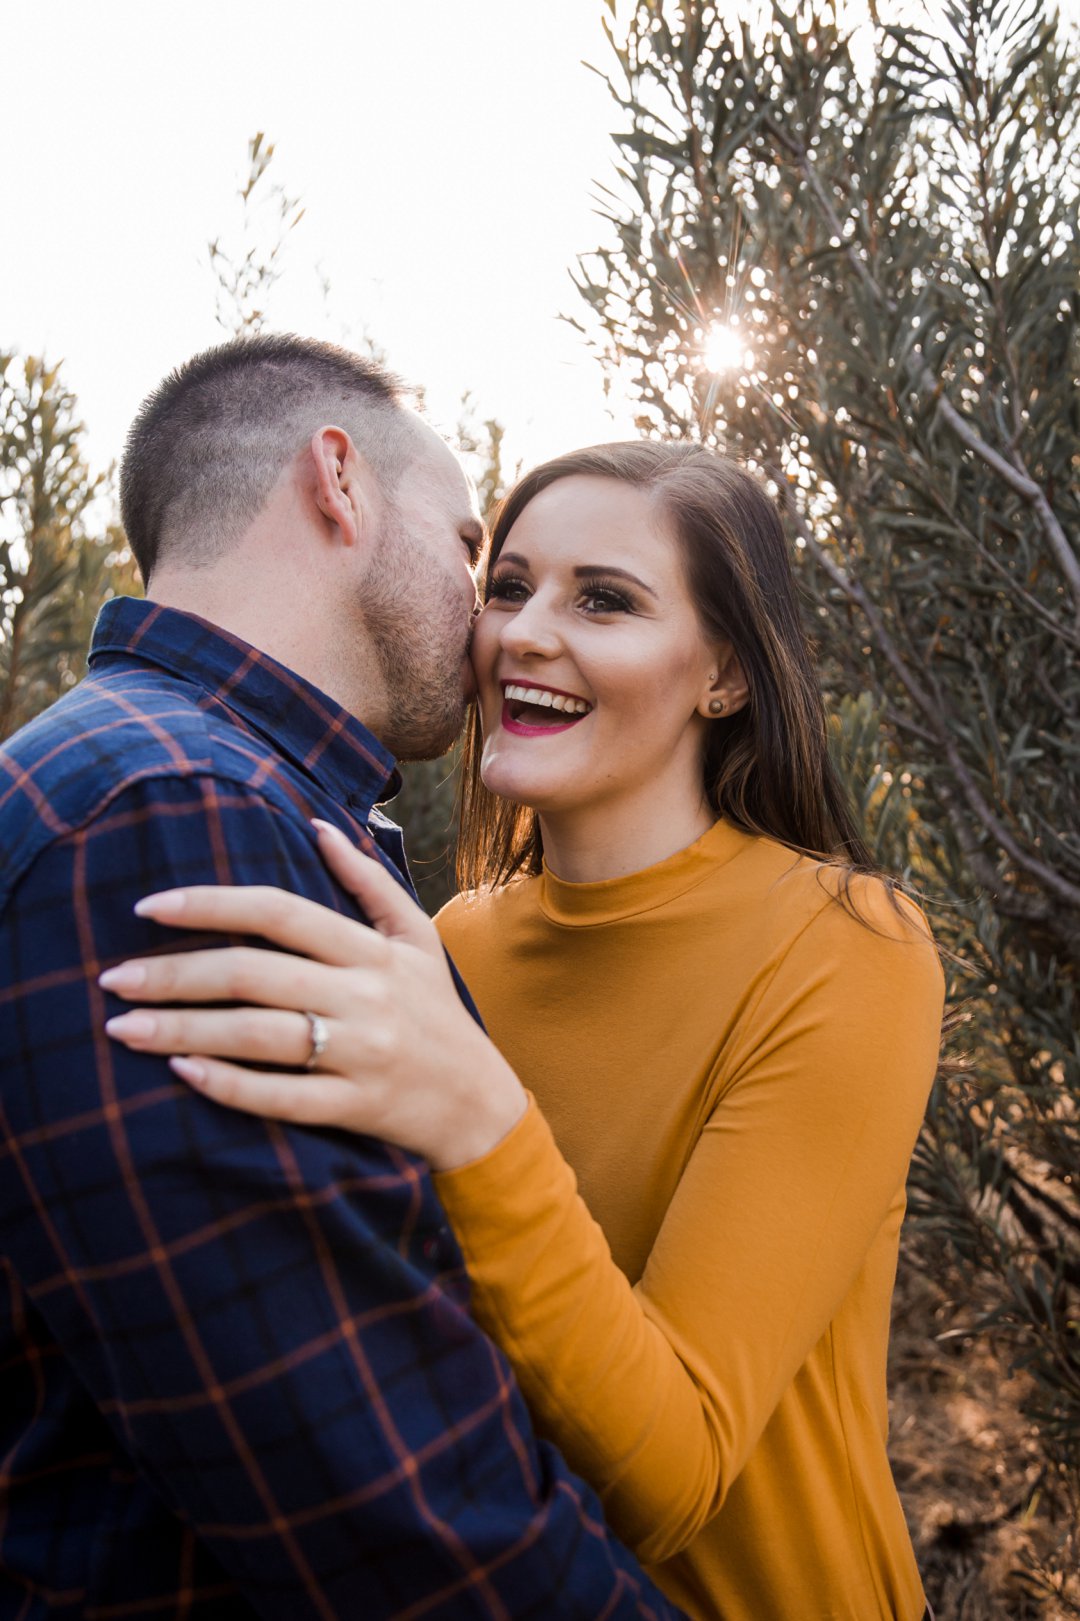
[492,1195]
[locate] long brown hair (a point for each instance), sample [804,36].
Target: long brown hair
[767,766]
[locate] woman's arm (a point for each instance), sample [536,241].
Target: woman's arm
[657,1394]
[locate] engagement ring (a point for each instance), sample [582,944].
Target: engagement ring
[320,1035]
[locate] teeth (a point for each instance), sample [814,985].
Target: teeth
[547,700]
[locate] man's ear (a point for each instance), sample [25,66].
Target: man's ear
[339,485]
[727,690]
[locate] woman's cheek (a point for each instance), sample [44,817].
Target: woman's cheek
[482,655]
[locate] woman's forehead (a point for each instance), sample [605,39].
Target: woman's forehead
[584,509]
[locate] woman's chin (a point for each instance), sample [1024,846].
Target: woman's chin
[505,787]
[521,787]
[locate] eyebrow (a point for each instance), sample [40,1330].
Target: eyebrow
[586,571]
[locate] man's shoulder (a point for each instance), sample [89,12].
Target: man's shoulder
[107,735]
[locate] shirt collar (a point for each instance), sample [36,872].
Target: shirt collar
[293,716]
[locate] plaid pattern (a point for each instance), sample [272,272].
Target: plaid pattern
[238,1373]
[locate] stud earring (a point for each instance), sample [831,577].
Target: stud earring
[716,706]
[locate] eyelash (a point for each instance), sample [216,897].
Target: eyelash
[615,599]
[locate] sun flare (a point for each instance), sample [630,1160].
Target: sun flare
[724,349]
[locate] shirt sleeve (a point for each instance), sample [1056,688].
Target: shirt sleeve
[658,1394]
[272,1320]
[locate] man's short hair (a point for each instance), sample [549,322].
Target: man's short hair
[211,441]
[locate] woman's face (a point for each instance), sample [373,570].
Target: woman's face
[593,670]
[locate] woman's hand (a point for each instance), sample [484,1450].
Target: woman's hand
[403,1059]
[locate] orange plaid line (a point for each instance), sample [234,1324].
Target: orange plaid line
[300,1199]
[89,1460]
[89,1117]
[403,1471]
[286,1363]
[176,1603]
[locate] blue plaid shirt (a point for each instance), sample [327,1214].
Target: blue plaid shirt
[237,1371]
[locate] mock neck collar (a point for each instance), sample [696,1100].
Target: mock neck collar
[291,714]
[609,899]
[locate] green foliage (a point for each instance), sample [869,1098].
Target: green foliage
[426,808]
[883,233]
[53,574]
[879,787]
[245,273]
[480,445]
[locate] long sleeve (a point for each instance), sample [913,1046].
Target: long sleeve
[658,1394]
[271,1323]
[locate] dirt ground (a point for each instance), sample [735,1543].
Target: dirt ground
[995,1539]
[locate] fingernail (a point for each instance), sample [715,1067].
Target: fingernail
[190,1070]
[163,905]
[132,1026]
[126,976]
[328,827]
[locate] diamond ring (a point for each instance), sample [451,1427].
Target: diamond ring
[320,1035]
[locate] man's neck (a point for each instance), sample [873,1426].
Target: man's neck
[286,625]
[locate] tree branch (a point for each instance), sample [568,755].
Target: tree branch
[1067,893]
[1072,638]
[1013,473]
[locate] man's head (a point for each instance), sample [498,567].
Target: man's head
[211,441]
[284,489]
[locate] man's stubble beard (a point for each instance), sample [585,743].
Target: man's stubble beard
[414,619]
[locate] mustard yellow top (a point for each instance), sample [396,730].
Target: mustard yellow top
[736,1069]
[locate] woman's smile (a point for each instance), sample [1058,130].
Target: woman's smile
[532,711]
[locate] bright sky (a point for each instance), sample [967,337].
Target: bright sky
[445,153]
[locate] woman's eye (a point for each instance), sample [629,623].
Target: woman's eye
[507,588]
[602,599]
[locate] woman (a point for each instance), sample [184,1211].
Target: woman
[730,1030]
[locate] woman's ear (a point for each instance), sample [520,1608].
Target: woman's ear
[338,484]
[727,690]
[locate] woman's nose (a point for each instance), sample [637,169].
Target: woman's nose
[530,630]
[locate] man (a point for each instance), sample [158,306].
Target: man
[239,1377]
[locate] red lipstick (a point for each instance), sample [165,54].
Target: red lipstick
[519,728]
